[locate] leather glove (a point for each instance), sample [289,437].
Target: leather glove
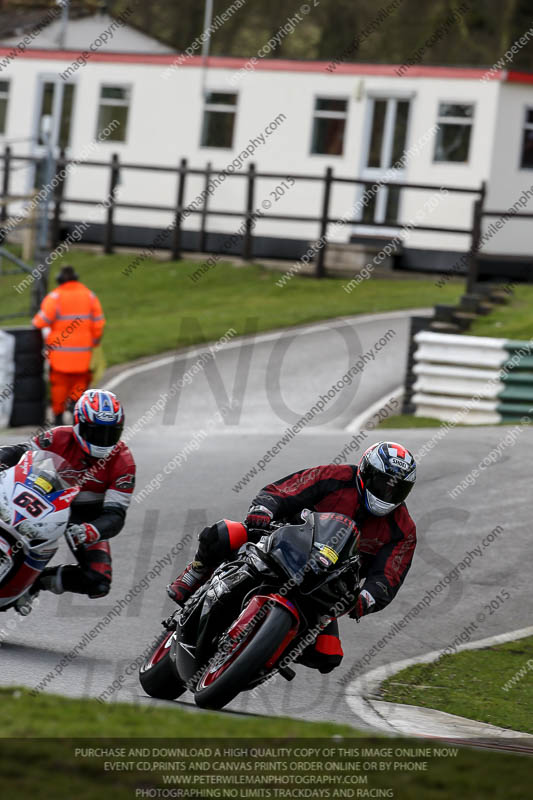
[78,535]
[259,517]
[364,603]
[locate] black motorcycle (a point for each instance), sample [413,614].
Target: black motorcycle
[258,612]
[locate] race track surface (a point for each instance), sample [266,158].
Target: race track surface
[278,378]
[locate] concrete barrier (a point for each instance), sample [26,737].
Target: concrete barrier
[472,379]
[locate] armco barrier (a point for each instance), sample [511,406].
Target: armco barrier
[472,379]
[27,387]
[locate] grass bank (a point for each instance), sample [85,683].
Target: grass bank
[119,756]
[158,307]
[409,421]
[511,321]
[48,716]
[492,685]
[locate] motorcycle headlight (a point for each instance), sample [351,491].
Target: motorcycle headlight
[5,513]
[26,528]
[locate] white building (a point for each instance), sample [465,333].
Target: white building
[442,126]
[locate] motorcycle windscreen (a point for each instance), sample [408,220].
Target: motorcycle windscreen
[336,537]
[48,471]
[290,548]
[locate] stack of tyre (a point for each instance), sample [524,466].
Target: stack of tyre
[7,377]
[29,389]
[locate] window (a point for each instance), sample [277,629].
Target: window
[47,109]
[376,135]
[328,127]
[400,130]
[388,132]
[4,96]
[369,208]
[219,119]
[453,136]
[66,115]
[114,107]
[527,141]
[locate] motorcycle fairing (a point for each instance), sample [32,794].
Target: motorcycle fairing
[35,499]
[291,546]
[223,598]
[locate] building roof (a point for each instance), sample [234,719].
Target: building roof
[43,27]
[171,58]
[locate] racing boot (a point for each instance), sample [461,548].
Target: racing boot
[193,576]
[50,580]
[23,605]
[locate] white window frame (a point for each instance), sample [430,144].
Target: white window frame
[329,115]
[38,149]
[219,107]
[466,121]
[114,101]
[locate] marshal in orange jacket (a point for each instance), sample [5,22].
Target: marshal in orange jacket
[76,321]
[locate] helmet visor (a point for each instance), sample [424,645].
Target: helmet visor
[389,488]
[100,435]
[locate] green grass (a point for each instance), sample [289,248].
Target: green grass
[514,320]
[471,683]
[48,715]
[35,764]
[159,308]
[409,421]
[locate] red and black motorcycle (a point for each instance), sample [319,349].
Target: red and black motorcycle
[258,612]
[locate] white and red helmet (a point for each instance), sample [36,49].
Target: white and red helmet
[385,476]
[98,422]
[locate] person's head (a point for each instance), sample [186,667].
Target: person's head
[98,422]
[385,475]
[66,274]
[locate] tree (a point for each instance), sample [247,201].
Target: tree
[385,31]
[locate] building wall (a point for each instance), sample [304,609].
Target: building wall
[165,120]
[507,179]
[453,210]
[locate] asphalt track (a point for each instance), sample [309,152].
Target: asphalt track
[270,382]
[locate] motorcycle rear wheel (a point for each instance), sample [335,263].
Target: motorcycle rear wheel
[157,674]
[249,656]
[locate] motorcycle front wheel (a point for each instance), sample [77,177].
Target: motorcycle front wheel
[229,672]
[157,674]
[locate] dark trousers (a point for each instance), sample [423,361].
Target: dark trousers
[92,575]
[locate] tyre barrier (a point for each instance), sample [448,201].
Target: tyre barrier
[25,390]
[473,380]
[7,376]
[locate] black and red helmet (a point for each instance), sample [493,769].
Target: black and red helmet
[385,476]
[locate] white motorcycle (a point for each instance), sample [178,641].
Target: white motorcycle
[35,499]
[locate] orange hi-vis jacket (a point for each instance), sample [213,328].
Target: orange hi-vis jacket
[76,321]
